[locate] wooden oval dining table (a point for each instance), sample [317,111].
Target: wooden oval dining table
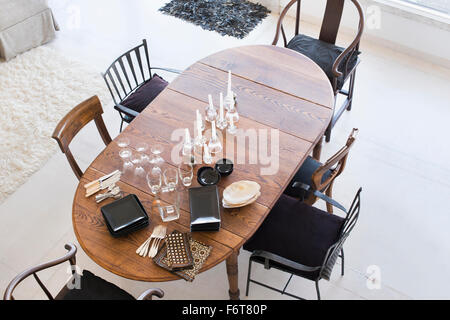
[277,90]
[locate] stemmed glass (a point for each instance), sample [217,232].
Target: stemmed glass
[154,180]
[126,154]
[156,150]
[142,147]
[136,159]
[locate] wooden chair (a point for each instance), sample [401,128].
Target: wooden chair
[134,83]
[339,64]
[320,176]
[73,122]
[80,287]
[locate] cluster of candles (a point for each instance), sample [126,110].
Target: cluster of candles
[218,120]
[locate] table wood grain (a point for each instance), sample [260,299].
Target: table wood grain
[276,88]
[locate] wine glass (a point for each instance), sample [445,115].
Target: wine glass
[156,150]
[126,154]
[142,147]
[170,178]
[136,159]
[154,180]
[123,142]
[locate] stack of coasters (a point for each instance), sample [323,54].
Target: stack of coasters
[182,255]
[125,215]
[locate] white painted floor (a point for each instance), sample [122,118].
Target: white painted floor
[401,159]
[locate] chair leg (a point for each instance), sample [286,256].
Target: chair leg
[248,277]
[350,90]
[329,193]
[317,290]
[121,125]
[342,264]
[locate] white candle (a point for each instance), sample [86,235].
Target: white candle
[210,101]
[199,129]
[231,122]
[229,83]
[187,136]
[213,133]
[221,106]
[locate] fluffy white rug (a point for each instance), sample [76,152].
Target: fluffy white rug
[36,90]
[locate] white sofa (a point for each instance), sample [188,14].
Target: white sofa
[24,24]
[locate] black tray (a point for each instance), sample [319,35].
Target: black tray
[125,215]
[205,211]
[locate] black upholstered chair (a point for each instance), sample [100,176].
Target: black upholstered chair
[320,176]
[339,64]
[132,83]
[301,240]
[87,286]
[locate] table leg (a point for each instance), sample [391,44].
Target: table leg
[232,272]
[318,149]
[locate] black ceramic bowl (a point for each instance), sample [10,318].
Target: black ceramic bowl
[224,166]
[208,176]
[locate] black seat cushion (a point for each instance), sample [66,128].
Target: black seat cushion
[304,175]
[145,94]
[94,288]
[324,54]
[298,232]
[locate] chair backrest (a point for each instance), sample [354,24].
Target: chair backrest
[73,122]
[349,223]
[69,256]
[330,23]
[336,164]
[128,72]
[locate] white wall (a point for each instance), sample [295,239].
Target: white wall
[392,27]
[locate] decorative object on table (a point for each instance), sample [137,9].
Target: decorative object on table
[214,145]
[102,183]
[113,192]
[208,176]
[240,193]
[159,232]
[204,207]
[232,129]
[199,121]
[207,158]
[230,98]
[232,114]
[234,18]
[69,126]
[187,144]
[224,167]
[24,25]
[125,215]
[210,110]
[339,64]
[133,92]
[199,252]
[200,139]
[178,251]
[221,121]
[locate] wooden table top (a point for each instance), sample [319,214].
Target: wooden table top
[276,88]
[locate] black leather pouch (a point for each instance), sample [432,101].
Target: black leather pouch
[125,215]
